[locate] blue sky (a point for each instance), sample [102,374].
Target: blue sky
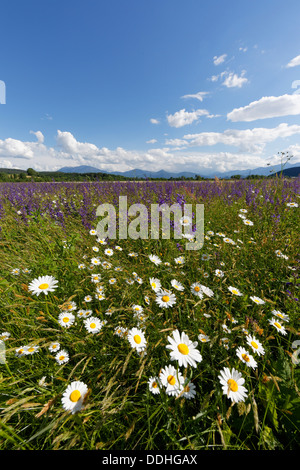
[163,84]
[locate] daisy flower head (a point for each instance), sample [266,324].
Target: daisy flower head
[292,204]
[88,298]
[62,357]
[54,346]
[15,271]
[95,249]
[282,316]
[234,291]
[232,384]
[203,338]
[4,336]
[179,260]
[245,357]
[177,285]
[172,380]
[197,290]
[183,349]
[155,284]
[207,291]
[147,300]
[73,397]
[93,232]
[21,351]
[185,221]
[43,284]
[155,259]
[257,300]
[255,344]
[95,261]
[93,325]
[279,327]
[31,349]
[248,222]
[205,257]
[244,211]
[165,299]
[153,384]
[219,273]
[66,319]
[137,339]
[189,391]
[108,252]
[137,308]
[95,278]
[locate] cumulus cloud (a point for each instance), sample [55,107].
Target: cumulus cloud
[249,140]
[233,80]
[154,121]
[151,141]
[267,107]
[39,136]
[219,59]
[294,62]
[182,118]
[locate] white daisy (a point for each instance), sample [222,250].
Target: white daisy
[207,291]
[95,261]
[137,308]
[43,284]
[189,391]
[31,349]
[183,349]
[292,204]
[88,298]
[93,324]
[196,289]
[279,327]
[54,346]
[172,379]
[165,299]
[155,284]
[155,259]
[21,351]
[257,300]
[177,285]
[255,345]
[73,397]
[62,357]
[137,339]
[66,319]
[93,232]
[95,278]
[282,316]
[234,291]
[179,260]
[153,384]
[245,357]
[203,338]
[248,222]
[219,273]
[232,384]
[109,252]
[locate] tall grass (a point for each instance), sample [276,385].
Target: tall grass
[120,411]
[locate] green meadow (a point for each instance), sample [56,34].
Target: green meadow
[142,344]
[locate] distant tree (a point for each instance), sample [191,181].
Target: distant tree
[31,172]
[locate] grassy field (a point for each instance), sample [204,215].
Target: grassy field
[207,362]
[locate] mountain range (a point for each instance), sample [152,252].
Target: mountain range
[262,171]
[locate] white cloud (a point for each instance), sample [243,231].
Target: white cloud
[198,96]
[233,80]
[38,135]
[154,121]
[248,140]
[294,62]
[219,59]
[267,107]
[151,141]
[182,118]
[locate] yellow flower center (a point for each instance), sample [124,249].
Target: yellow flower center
[153,284]
[43,286]
[61,358]
[154,385]
[254,344]
[171,380]
[65,319]
[137,339]
[197,288]
[278,325]
[75,395]
[183,348]
[234,291]
[93,325]
[245,357]
[165,298]
[232,385]
[54,346]
[30,349]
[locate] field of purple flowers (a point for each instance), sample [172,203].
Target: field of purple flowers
[141,344]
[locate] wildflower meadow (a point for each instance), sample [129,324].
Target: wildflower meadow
[141,344]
